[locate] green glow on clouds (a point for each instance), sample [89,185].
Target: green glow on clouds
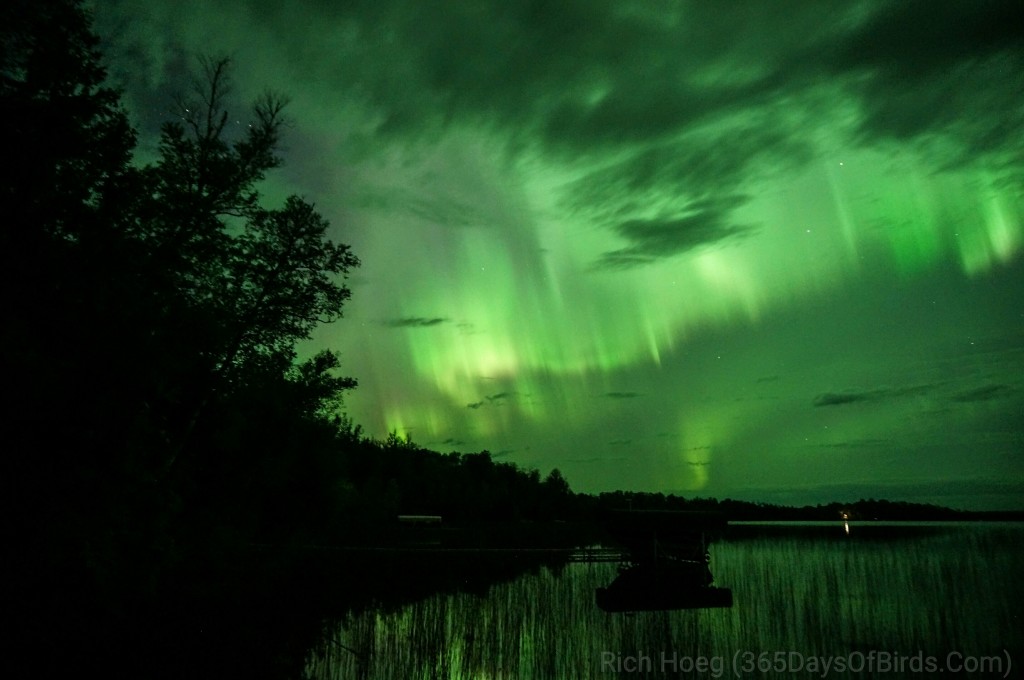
[646,246]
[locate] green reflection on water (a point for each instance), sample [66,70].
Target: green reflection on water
[802,592]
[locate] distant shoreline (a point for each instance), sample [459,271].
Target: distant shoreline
[874,522]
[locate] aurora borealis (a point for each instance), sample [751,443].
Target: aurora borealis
[769,251]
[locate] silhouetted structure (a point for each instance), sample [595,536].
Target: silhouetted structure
[668,562]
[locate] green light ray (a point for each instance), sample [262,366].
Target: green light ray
[525,301]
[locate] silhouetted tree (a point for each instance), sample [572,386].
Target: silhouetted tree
[66,139]
[250,281]
[66,144]
[154,404]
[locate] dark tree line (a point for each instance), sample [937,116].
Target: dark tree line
[738,510]
[396,476]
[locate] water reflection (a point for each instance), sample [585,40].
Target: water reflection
[804,592]
[666,563]
[666,586]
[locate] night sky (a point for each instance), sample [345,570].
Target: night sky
[770,250]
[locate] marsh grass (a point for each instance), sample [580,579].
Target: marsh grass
[935,591]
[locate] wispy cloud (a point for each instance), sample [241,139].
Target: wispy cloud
[415,322]
[492,400]
[703,223]
[843,398]
[925,67]
[985,393]
[834,399]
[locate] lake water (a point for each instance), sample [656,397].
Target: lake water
[809,601]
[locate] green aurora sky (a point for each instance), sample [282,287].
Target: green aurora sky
[769,251]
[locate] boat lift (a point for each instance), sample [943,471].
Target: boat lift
[664,562]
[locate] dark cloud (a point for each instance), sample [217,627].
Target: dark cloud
[915,37]
[596,459]
[705,222]
[415,322]
[581,76]
[843,398]
[641,111]
[661,237]
[936,67]
[705,164]
[986,393]
[700,164]
[422,66]
[623,259]
[584,74]
[677,98]
[832,399]
[492,400]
